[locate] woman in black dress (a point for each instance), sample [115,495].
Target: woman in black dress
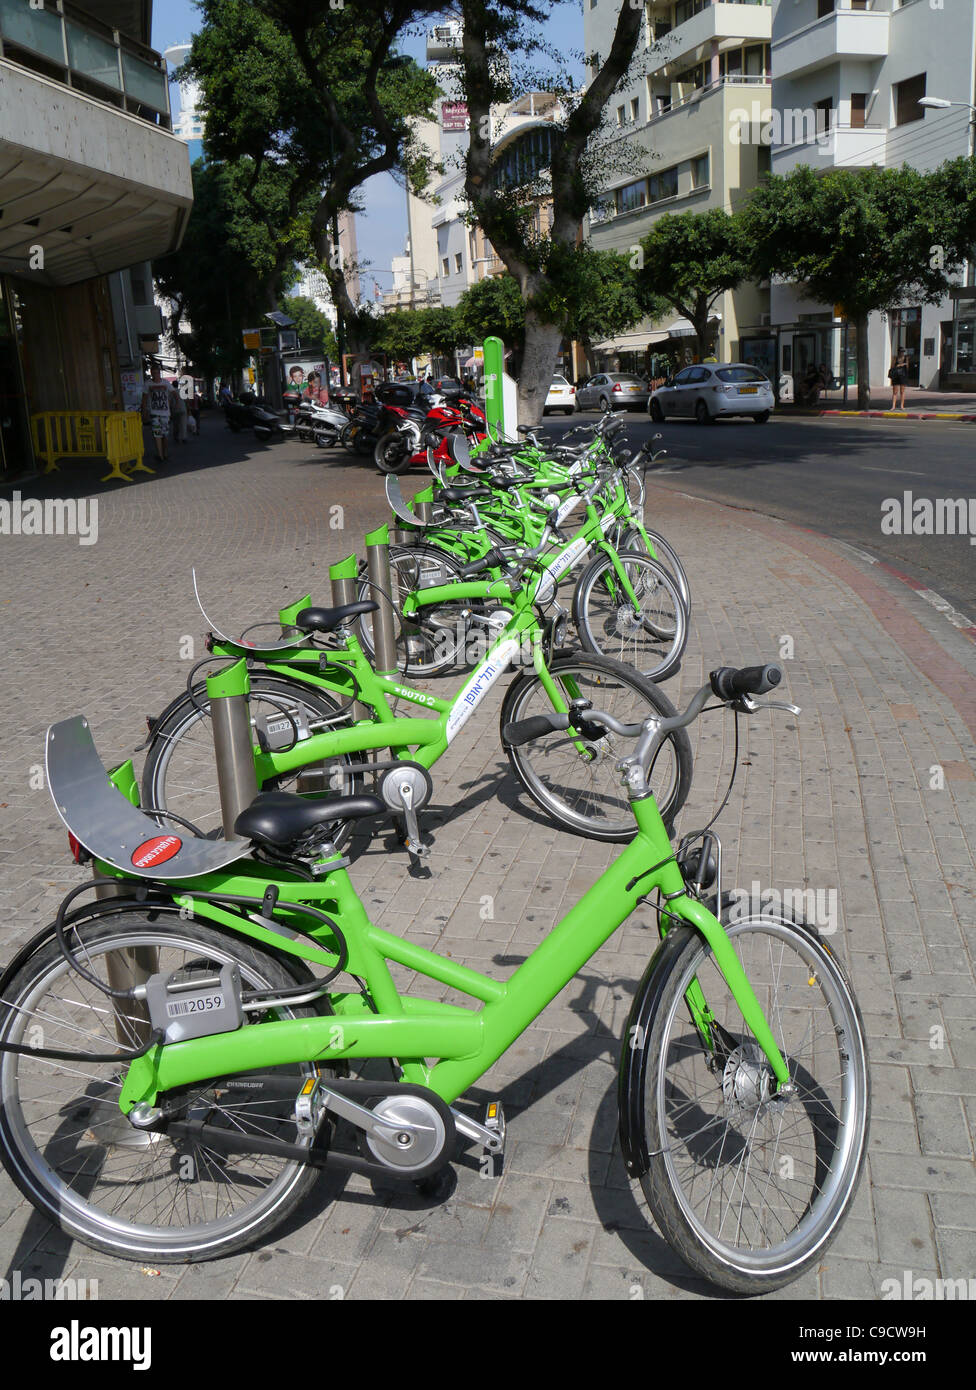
[898,376]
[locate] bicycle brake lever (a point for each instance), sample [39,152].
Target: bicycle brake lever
[749,705]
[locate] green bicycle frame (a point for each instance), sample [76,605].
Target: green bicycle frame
[465,1041]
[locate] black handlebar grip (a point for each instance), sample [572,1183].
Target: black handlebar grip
[538,724]
[492,560]
[728,683]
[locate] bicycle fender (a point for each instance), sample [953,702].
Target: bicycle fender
[633,1056]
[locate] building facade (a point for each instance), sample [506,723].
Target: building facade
[93,184]
[704,77]
[848,76]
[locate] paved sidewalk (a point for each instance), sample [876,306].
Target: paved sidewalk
[871,793]
[919,405]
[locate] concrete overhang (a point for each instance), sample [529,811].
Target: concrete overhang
[95,188]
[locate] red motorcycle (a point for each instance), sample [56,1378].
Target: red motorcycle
[406,432]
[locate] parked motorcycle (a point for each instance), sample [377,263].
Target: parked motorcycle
[320,424]
[251,412]
[411,430]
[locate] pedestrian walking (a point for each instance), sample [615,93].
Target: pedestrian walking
[155,411]
[195,405]
[898,376]
[177,410]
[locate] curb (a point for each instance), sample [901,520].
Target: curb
[899,414]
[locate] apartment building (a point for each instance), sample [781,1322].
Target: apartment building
[93,185]
[701,83]
[848,78]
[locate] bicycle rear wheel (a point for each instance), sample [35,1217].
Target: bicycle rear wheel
[77,1158]
[434,640]
[582,791]
[180,773]
[750,1187]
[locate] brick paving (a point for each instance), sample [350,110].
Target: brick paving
[847,797]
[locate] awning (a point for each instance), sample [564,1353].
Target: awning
[684,328]
[630,342]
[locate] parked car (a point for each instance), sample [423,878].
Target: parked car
[710,389]
[612,391]
[561,396]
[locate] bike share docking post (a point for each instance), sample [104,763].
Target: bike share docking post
[422,504]
[381,593]
[230,716]
[343,578]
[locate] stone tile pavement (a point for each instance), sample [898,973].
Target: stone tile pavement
[869,796]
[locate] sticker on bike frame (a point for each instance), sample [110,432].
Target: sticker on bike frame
[156,851]
[493,666]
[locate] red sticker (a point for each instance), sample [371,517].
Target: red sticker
[156,851]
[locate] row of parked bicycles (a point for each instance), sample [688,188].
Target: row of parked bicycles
[213,1018]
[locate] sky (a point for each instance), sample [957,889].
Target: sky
[382,227]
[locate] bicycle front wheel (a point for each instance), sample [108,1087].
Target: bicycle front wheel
[649,634]
[580,787]
[747,1185]
[137,1194]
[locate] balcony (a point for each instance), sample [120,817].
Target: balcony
[683,97]
[85,187]
[853,34]
[741,21]
[70,46]
[841,146]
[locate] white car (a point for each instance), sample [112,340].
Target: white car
[561,396]
[710,389]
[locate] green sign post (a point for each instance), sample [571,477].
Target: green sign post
[494,371]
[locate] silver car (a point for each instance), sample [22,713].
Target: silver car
[710,389]
[612,391]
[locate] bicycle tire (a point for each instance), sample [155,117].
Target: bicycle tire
[436,642]
[667,558]
[600,808]
[72,1167]
[653,640]
[827,1121]
[189,787]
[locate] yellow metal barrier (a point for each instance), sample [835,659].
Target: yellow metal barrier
[112,434]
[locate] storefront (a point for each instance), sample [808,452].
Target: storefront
[957,368]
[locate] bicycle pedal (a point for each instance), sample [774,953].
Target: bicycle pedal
[310,1106]
[495,1121]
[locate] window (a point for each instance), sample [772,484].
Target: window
[458,262]
[907,95]
[685,378]
[687,8]
[739,374]
[824,7]
[635,109]
[699,172]
[825,114]
[631,196]
[621,115]
[663,185]
[445,266]
[859,107]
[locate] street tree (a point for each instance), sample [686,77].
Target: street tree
[866,239]
[493,307]
[687,261]
[561,180]
[321,95]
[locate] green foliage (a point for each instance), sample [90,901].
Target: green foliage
[594,294]
[865,238]
[492,306]
[311,325]
[406,333]
[212,277]
[689,260]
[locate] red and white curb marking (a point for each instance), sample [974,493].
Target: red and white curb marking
[940,604]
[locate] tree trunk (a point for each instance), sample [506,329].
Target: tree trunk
[538,363]
[863,365]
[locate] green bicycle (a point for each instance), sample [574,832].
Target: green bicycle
[305,739]
[175,1062]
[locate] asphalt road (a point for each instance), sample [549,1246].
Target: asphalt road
[831,475]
